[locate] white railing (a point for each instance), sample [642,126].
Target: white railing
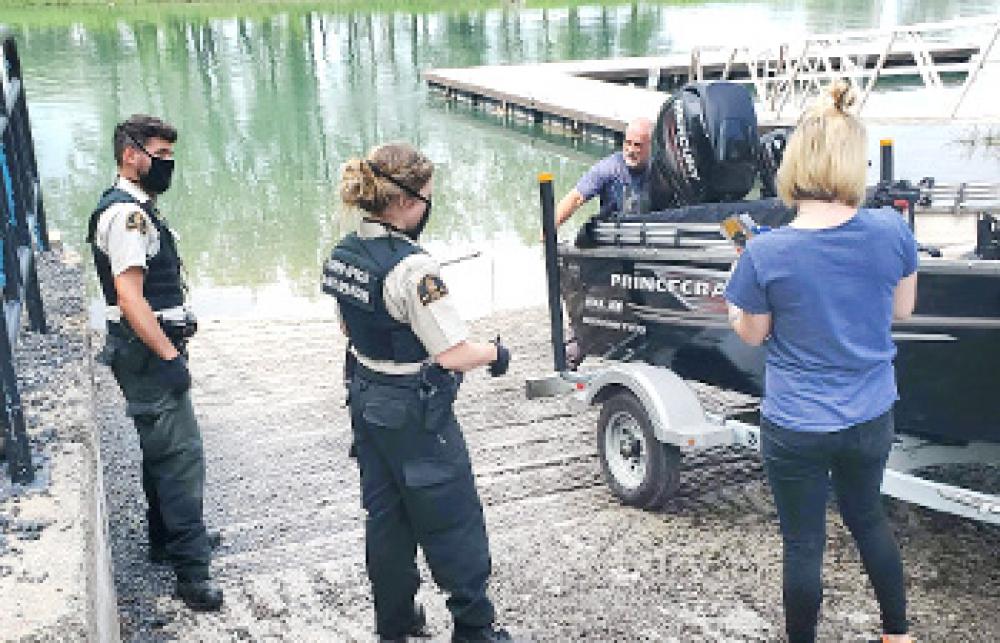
[786,74]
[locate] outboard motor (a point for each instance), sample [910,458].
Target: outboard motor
[705,146]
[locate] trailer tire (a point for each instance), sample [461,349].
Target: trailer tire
[639,470]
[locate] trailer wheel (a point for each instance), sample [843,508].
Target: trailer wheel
[640,470]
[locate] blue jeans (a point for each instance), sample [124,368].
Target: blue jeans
[800,466]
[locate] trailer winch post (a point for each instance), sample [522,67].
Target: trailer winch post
[552,269]
[885,161]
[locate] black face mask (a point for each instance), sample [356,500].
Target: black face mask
[156,180]
[414,232]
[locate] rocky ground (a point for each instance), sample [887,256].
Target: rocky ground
[50,588]
[570,561]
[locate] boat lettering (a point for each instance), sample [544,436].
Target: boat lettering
[599,303]
[687,156]
[613,324]
[651,283]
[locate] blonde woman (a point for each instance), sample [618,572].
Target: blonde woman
[820,294]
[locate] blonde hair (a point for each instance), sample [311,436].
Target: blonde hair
[363,182]
[826,156]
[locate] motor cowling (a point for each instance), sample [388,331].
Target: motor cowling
[705,146]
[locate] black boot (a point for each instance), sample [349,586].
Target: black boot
[487,634]
[418,630]
[200,595]
[158,553]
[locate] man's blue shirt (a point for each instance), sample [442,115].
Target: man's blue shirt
[620,189]
[830,296]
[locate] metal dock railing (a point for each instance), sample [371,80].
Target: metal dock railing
[946,62]
[23,232]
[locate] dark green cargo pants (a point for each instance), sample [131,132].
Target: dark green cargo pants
[173,462]
[417,488]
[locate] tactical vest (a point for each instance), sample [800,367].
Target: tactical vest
[162,285]
[355,274]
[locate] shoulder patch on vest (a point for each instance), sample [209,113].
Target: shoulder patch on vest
[430,289]
[137,221]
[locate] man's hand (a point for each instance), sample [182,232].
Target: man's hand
[500,365]
[140,317]
[172,374]
[568,206]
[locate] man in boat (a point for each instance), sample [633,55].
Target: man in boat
[148,325]
[622,180]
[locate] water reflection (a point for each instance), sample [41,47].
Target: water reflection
[270,101]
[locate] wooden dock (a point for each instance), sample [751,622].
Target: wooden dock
[944,63]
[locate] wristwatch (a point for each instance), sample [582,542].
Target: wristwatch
[734,312]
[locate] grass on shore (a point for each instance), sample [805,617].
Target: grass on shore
[52,13]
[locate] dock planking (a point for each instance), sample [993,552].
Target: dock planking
[599,97]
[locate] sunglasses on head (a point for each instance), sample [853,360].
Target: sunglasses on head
[405,188]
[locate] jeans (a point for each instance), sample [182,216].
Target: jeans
[800,466]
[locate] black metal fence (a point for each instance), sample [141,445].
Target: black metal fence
[22,233]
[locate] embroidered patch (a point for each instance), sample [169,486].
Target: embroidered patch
[430,289]
[137,221]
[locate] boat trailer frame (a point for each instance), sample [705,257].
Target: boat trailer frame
[679,418]
[685,424]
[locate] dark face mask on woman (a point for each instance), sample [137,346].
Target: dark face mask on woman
[415,231]
[156,180]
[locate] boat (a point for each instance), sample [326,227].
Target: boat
[649,287]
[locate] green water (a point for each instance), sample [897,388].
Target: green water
[270,100]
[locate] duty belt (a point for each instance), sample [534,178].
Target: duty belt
[414,380]
[176,332]
[430,379]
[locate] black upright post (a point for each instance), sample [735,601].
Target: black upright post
[41,223]
[552,269]
[885,161]
[16,446]
[33,299]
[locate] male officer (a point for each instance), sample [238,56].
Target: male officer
[148,325]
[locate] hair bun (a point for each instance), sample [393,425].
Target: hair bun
[400,166]
[358,185]
[843,94]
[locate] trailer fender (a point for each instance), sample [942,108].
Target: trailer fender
[675,412]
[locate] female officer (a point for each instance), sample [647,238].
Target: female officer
[407,350]
[821,294]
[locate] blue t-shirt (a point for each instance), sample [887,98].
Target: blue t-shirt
[830,295]
[620,188]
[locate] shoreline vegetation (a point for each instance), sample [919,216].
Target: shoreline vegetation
[55,12]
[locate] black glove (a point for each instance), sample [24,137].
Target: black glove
[500,365]
[173,374]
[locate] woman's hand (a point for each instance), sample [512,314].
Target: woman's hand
[466,356]
[751,328]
